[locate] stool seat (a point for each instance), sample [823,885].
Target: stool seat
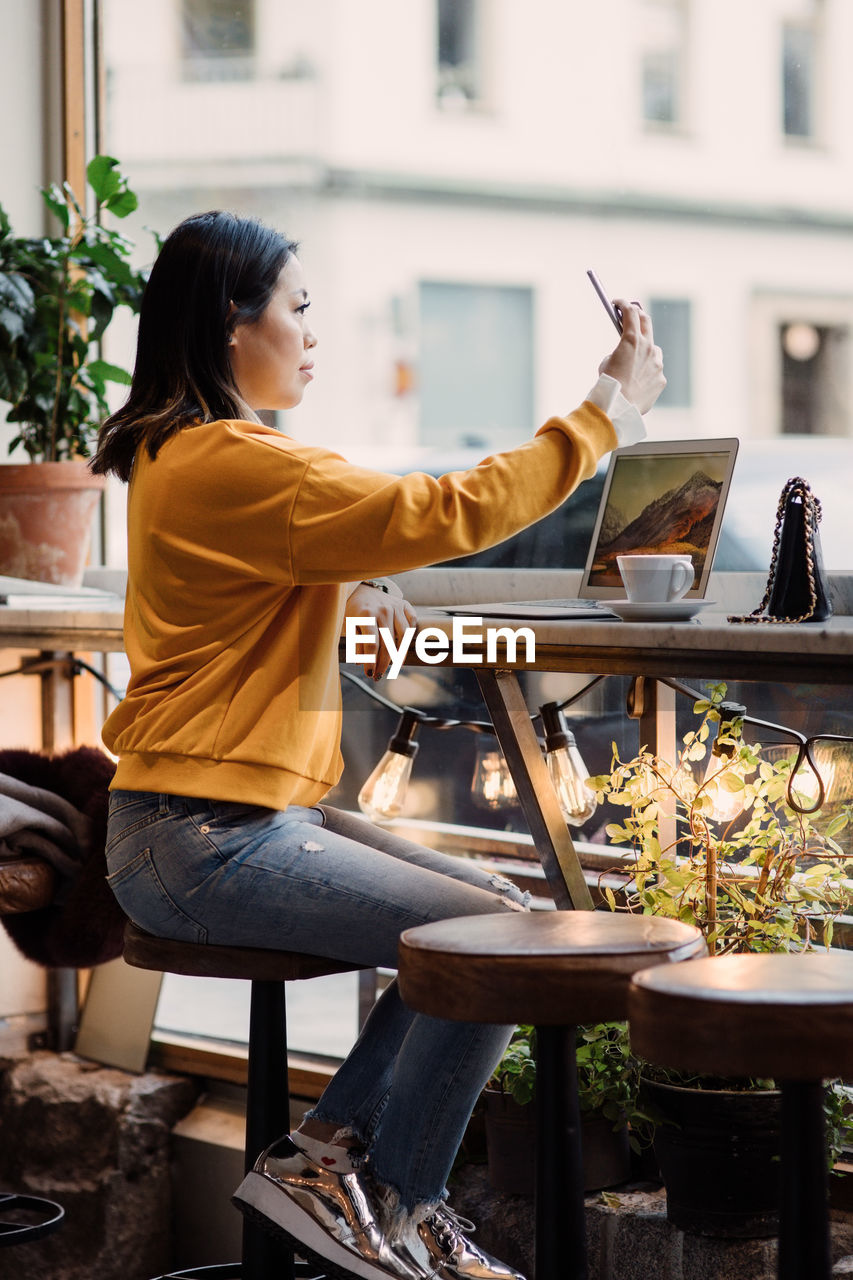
[550,968]
[789,1016]
[206,960]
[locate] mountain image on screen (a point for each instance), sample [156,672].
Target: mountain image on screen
[677,523]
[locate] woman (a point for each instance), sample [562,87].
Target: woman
[246,551]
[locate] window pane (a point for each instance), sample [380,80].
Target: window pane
[815,363]
[218,39]
[322,1013]
[458,52]
[671,320]
[476,364]
[660,86]
[798,71]
[662,27]
[425,240]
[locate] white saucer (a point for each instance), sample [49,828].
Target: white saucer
[656,610]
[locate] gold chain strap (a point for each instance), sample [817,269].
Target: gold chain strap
[812,512]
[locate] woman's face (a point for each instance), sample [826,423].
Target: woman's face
[270,359]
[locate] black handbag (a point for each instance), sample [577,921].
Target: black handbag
[796,588]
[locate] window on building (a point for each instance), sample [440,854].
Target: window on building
[476,365]
[671,321]
[799,57]
[218,39]
[815,374]
[663,49]
[459,53]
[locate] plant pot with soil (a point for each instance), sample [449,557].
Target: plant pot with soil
[607,1080]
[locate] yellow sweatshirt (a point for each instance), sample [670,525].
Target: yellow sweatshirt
[240,544]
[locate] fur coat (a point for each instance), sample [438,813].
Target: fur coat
[83,925]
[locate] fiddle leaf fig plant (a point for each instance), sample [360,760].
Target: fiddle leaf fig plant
[58,294]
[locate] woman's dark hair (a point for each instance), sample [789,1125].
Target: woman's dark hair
[213,272]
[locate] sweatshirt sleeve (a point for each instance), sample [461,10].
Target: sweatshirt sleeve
[348,523]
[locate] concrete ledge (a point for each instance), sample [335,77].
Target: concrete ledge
[98,1141]
[628,1236]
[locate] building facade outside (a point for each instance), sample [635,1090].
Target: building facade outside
[452,167]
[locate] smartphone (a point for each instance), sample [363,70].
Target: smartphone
[605,301]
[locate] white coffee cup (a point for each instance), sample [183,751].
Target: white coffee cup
[656,579]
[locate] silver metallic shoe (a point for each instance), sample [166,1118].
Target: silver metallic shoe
[445,1252]
[329,1218]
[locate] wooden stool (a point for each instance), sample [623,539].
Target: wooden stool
[786,1016]
[268,1096]
[555,969]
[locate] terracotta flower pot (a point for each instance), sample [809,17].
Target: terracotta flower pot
[46,511]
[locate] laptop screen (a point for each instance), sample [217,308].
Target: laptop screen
[660,497]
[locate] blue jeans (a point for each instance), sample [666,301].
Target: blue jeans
[324,882]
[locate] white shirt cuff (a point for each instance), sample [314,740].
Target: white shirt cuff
[626,418]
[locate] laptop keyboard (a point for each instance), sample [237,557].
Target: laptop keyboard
[576,603]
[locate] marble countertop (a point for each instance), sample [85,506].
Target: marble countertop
[98,624]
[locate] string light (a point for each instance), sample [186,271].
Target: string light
[384,793]
[805,782]
[805,766]
[492,786]
[568,772]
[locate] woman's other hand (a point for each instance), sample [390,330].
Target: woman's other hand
[636,363]
[389,609]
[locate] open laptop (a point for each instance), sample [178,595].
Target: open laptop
[659,496]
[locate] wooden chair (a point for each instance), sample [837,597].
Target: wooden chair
[267,1102]
[785,1016]
[554,969]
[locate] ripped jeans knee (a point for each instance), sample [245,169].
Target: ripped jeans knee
[512,897]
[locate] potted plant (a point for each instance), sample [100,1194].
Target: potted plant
[58,294]
[755,876]
[607,1092]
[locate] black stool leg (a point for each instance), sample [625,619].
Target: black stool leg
[804,1252]
[267,1118]
[560,1218]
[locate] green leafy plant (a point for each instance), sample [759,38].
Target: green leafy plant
[768,879]
[58,294]
[608,1073]
[515,1074]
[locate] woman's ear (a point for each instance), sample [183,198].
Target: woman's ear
[229,319]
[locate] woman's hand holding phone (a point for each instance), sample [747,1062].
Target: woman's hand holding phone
[636,363]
